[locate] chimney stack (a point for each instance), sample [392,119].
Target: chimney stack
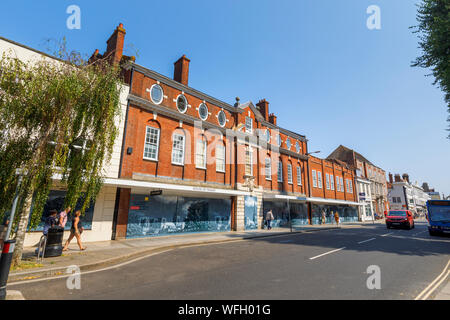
[391,180]
[398,178]
[181,72]
[406,177]
[263,107]
[273,119]
[114,49]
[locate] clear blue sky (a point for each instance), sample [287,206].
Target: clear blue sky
[324,73]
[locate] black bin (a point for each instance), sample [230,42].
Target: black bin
[54,242]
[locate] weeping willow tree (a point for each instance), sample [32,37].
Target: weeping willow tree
[433,31]
[57,125]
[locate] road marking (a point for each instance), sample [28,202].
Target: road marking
[385,235]
[419,233]
[324,254]
[434,285]
[88,272]
[366,241]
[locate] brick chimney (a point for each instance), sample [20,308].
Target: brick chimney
[273,119]
[391,179]
[406,177]
[181,72]
[263,107]
[115,43]
[398,178]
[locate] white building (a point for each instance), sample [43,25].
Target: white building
[404,195]
[100,227]
[363,185]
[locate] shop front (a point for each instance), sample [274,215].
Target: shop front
[286,208]
[320,208]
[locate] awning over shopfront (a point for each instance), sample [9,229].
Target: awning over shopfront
[332,201]
[185,189]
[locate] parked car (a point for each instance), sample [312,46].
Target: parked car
[400,218]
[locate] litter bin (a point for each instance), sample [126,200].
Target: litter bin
[54,245]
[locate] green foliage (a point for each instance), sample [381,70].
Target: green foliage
[57,117]
[434,40]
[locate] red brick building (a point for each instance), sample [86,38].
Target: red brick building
[193,163]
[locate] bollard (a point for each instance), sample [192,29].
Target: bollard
[5,265]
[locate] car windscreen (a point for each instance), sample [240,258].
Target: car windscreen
[397,213]
[439,213]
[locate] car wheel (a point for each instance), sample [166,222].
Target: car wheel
[432,233]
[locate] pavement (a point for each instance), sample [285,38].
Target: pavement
[105,253]
[331,264]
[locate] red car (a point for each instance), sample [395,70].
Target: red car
[400,218]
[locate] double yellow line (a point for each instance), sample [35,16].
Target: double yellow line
[425,294]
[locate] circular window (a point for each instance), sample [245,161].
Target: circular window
[182,103]
[156,93]
[288,143]
[267,135]
[297,146]
[203,111]
[279,140]
[222,118]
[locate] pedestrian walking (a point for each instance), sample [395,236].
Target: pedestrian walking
[336,218]
[324,217]
[50,222]
[75,231]
[63,217]
[269,218]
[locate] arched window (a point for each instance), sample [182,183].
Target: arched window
[220,157]
[280,170]
[268,168]
[200,153]
[178,147]
[151,146]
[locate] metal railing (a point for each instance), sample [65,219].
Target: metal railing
[41,249]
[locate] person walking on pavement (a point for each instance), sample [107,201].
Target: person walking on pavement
[269,218]
[75,231]
[324,217]
[63,217]
[336,218]
[50,222]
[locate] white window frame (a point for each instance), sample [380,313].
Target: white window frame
[280,172]
[279,140]
[288,144]
[289,171]
[350,186]
[197,154]
[185,100]
[268,169]
[218,118]
[248,125]
[319,179]
[327,178]
[341,183]
[314,176]
[156,144]
[297,147]
[162,94]
[267,135]
[221,159]
[249,161]
[299,175]
[332,182]
[207,111]
[338,184]
[175,150]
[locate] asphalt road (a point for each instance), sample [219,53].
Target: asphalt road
[318,265]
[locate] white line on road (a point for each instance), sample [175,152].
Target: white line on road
[419,233]
[366,241]
[324,254]
[433,286]
[385,235]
